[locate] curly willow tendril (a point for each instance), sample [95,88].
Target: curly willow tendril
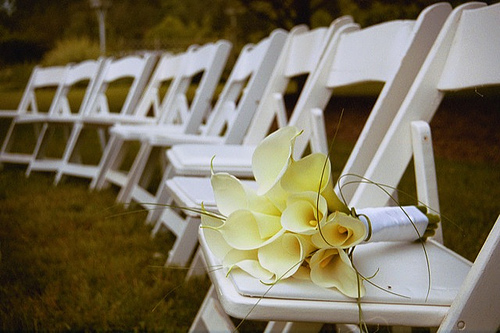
[327,160]
[421,239]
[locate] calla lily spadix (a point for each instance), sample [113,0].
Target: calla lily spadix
[304,212]
[340,230]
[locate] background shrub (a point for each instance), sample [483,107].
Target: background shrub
[74,49]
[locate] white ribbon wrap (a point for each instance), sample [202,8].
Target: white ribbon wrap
[394,223]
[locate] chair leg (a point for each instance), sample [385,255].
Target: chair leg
[185,243]
[68,152]
[135,173]
[198,265]
[111,151]
[211,317]
[39,151]
[162,196]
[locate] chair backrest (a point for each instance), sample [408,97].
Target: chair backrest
[244,87]
[397,49]
[84,72]
[41,78]
[464,56]
[179,72]
[205,62]
[476,307]
[135,68]
[300,56]
[151,101]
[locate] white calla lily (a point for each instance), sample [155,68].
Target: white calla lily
[247,230]
[231,195]
[214,239]
[272,157]
[331,268]
[304,211]
[247,261]
[284,256]
[340,230]
[313,173]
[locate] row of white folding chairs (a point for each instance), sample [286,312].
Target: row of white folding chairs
[143,103]
[463,56]
[62,79]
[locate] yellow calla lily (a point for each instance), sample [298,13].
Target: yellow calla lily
[231,195]
[331,268]
[284,256]
[247,261]
[313,173]
[272,157]
[340,230]
[247,230]
[303,213]
[214,239]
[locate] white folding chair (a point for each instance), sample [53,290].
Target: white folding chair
[42,78]
[300,55]
[177,115]
[236,102]
[84,73]
[133,72]
[464,56]
[390,53]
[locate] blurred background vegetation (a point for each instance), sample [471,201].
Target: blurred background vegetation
[30,30]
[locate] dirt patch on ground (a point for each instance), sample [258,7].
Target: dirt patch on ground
[465,128]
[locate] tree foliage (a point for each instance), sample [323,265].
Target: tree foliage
[35,26]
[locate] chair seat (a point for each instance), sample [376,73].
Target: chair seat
[112,119]
[170,139]
[196,160]
[8,113]
[44,117]
[137,132]
[397,267]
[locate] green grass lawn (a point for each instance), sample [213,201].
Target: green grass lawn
[73,260]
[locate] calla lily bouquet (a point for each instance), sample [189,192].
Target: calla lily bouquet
[293,224]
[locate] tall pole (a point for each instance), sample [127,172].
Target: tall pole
[101,16]
[101,7]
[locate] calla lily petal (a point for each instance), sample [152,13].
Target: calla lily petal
[331,268]
[284,256]
[247,230]
[213,237]
[304,212]
[340,230]
[230,195]
[272,157]
[247,261]
[313,173]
